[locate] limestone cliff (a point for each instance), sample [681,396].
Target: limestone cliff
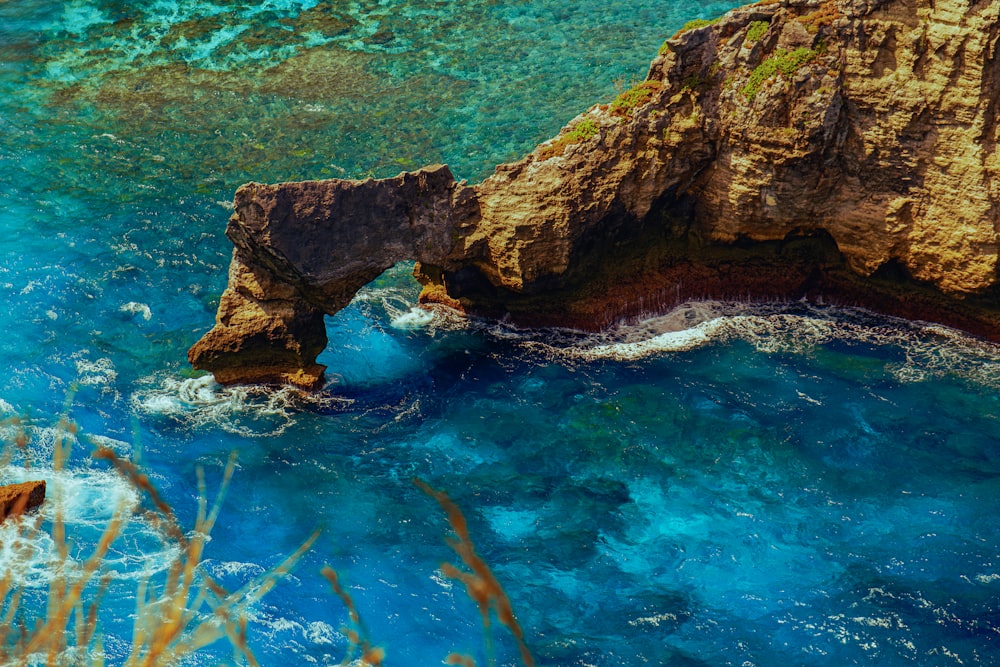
[838,149]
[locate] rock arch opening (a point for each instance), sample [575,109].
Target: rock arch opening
[303,250]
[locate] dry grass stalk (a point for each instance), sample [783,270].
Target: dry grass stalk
[174,631]
[190,610]
[20,442]
[172,621]
[357,636]
[480,582]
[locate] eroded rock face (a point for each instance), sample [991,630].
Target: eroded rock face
[305,249]
[16,499]
[265,331]
[869,128]
[840,149]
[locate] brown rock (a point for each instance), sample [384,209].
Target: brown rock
[876,139]
[849,154]
[305,249]
[16,499]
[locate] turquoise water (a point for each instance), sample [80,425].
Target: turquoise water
[726,484]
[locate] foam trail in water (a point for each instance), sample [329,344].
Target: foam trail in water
[87,500]
[927,350]
[245,410]
[135,308]
[414,318]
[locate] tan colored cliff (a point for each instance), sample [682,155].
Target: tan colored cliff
[836,149]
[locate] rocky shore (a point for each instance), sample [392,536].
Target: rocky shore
[838,150]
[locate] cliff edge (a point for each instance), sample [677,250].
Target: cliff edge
[832,149]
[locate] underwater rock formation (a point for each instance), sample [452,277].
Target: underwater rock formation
[843,150]
[17,499]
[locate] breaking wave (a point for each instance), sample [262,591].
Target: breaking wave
[86,499]
[920,350]
[253,411]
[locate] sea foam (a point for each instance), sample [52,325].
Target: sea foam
[86,500]
[252,410]
[925,350]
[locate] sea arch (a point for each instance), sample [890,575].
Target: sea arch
[303,250]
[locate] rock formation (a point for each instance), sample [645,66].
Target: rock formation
[836,149]
[305,249]
[17,499]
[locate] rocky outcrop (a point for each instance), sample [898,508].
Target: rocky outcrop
[16,499]
[305,249]
[836,149]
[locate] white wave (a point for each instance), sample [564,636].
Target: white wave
[25,557]
[414,318]
[99,372]
[669,341]
[319,632]
[655,619]
[394,296]
[927,350]
[283,625]
[86,500]
[234,569]
[36,450]
[136,308]
[6,409]
[439,578]
[246,410]
[119,447]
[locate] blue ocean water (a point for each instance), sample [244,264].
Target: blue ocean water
[725,484]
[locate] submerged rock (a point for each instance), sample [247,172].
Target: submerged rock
[16,499]
[843,150]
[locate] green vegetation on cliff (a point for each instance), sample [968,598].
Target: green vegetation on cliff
[782,61]
[699,23]
[633,98]
[757,30]
[582,131]
[693,24]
